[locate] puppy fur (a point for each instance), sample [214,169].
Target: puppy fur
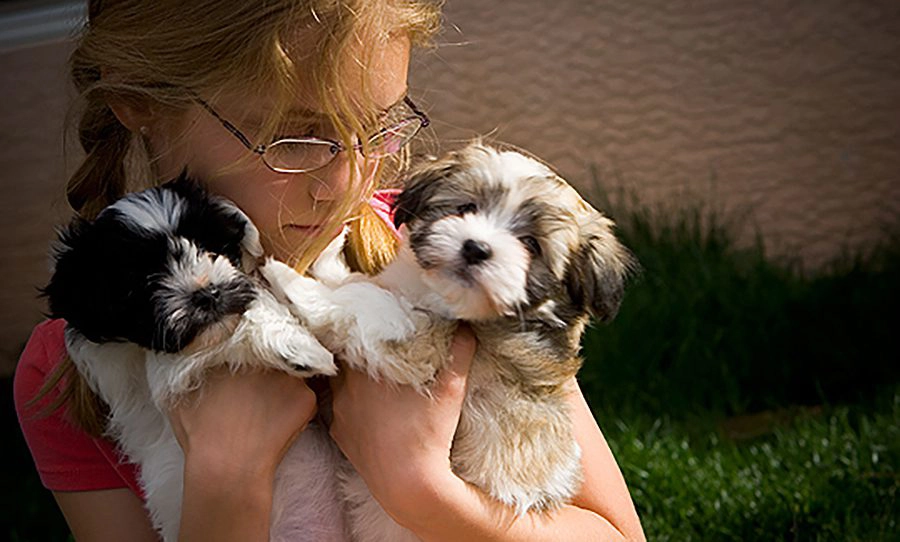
[494,237]
[157,291]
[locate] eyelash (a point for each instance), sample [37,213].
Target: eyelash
[531,244]
[466,208]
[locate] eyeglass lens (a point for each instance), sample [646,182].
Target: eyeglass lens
[296,155]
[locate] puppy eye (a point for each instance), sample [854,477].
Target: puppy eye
[531,244]
[466,208]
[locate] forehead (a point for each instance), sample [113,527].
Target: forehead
[380,70]
[509,180]
[375,76]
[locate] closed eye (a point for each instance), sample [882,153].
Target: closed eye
[466,208]
[531,244]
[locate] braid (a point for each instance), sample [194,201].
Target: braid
[101,178]
[371,244]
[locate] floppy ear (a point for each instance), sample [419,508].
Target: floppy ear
[420,186]
[87,289]
[64,290]
[595,277]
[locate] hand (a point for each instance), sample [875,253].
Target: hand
[242,424]
[397,439]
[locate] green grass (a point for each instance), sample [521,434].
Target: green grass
[831,476]
[711,330]
[709,326]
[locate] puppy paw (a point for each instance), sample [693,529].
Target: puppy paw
[302,354]
[280,276]
[306,297]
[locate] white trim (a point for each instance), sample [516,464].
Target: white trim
[45,23]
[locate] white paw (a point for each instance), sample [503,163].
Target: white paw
[306,296]
[380,315]
[302,353]
[279,275]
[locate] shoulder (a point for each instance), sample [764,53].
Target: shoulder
[43,352]
[66,457]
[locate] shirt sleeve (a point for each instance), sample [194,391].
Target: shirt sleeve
[66,457]
[382,203]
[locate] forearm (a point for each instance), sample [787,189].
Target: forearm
[222,506]
[460,511]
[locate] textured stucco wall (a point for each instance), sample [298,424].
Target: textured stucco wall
[789,111]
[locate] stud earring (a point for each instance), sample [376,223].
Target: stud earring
[143,130]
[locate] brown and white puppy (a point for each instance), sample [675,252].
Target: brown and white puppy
[496,238]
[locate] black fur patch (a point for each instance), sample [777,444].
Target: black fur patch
[108,274]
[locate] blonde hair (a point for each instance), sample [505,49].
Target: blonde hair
[168,52]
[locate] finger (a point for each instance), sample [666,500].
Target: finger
[462,350]
[454,375]
[337,381]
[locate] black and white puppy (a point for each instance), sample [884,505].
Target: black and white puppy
[496,238]
[156,291]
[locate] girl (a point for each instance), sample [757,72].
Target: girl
[294,110]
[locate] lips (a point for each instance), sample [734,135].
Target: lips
[305,227]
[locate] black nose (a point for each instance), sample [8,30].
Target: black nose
[475,252]
[206,298]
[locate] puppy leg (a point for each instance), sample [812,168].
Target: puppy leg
[307,298]
[368,326]
[540,468]
[278,340]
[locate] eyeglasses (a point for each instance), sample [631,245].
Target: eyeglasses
[304,154]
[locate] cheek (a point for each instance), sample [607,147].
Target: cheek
[257,194]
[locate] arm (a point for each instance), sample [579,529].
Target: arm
[109,514]
[376,423]
[234,435]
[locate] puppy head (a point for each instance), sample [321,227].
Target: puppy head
[497,233]
[155,268]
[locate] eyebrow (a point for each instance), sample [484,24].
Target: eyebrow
[303,113]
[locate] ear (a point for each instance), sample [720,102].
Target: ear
[599,267]
[420,186]
[135,115]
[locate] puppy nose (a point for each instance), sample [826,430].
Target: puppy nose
[206,298]
[475,252]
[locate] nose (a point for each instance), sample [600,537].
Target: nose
[332,182]
[475,252]
[206,299]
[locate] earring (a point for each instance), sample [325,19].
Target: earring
[143,130]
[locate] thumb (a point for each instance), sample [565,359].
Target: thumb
[454,375]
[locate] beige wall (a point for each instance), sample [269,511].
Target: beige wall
[790,110]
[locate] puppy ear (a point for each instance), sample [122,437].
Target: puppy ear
[66,284]
[420,186]
[595,278]
[88,289]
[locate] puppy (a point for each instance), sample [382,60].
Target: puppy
[158,290]
[496,238]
